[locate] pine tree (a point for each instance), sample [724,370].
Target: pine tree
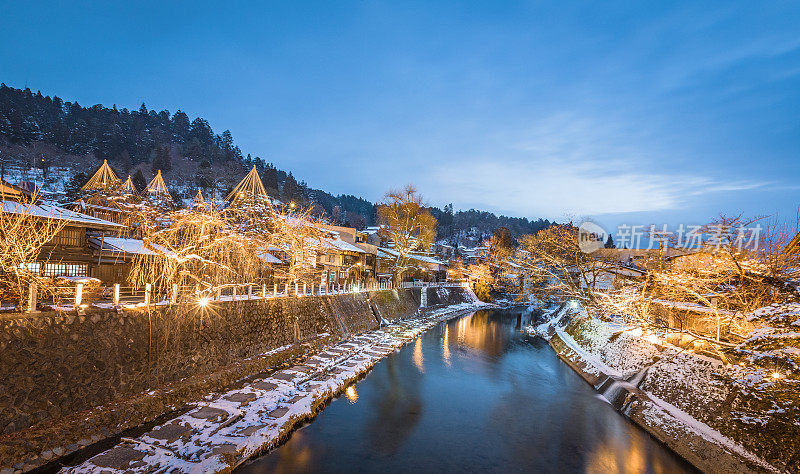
[610,243]
[73,187]
[139,181]
[162,160]
[270,179]
[180,127]
[291,190]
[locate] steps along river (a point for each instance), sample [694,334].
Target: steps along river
[473,394]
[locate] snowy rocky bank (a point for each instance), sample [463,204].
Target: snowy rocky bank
[226,429]
[720,417]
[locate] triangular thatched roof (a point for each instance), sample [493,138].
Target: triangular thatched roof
[199,202]
[250,187]
[103,178]
[157,186]
[127,187]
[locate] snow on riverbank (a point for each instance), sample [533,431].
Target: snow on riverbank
[681,398]
[226,429]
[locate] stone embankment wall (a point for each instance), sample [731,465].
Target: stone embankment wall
[57,363]
[700,407]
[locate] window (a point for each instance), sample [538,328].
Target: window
[32,267]
[69,237]
[65,269]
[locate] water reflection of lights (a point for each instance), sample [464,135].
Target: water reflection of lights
[462,326]
[614,457]
[445,346]
[418,355]
[351,394]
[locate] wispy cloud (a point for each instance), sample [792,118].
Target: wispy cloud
[552,188]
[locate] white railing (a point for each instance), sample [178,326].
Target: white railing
[424,284]
[76,297]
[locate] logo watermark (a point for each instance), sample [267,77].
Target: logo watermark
[592,237]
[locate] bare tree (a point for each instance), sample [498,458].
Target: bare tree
[300,240]
[406,223]
[553,259]
[25,228]
[195,247]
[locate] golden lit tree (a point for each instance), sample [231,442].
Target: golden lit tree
[553,258]
[290,232]
[300,241]
[407,224]
[25,228]
[195,247]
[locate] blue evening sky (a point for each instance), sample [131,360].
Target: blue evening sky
[635,112]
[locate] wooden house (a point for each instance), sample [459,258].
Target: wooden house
[69,252]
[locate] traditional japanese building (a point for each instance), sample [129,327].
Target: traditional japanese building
[69,252]
[349,258]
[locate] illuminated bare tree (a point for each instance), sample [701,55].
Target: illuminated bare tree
[731,269]
[300,241]
[406,223]
[25,229]
[553,258]
[196,248]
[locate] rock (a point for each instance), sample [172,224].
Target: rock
[279,412]
[242,398]
[262,385]
[120,457]
[210,413]
[170,432]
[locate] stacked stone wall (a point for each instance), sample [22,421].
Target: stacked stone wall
[57,363]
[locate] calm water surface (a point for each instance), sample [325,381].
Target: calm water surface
[472,395]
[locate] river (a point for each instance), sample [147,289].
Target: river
[474,394]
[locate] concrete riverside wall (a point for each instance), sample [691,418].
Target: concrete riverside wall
[57,363]
[690,403]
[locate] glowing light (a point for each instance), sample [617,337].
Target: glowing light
[351,394]
[652,338]
[776,375]
[418,361]
[573,304]
[445,346]
[203,302]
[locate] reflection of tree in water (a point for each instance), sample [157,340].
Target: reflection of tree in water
[482,333]
[295,456]
[397,407]
[571,433]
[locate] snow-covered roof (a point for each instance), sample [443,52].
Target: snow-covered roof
[49,211]
[384,252]
[427,259]
[120,244]
[83,204]
[267,257]
[390,253]
[340,244]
